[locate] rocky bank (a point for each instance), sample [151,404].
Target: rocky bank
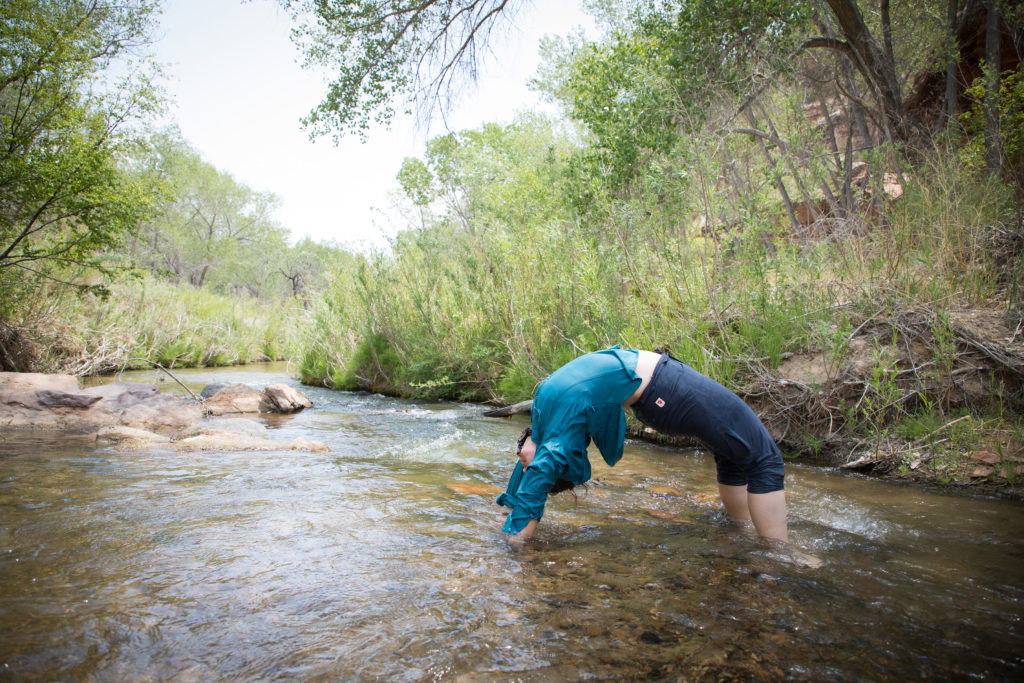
[134,416]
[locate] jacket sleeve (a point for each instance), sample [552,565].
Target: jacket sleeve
[547,466]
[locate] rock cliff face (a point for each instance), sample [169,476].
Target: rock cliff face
[30,400]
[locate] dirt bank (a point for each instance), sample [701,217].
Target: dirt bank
[919,395]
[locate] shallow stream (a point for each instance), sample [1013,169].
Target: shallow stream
[383,560]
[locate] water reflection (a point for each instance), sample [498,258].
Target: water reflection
[369,563]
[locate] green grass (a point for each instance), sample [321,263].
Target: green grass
[145,320]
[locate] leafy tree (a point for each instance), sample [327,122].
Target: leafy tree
[874,61]
[1010,108]
[306,268]
[419,51]
[664,70]
[494,177]
[211,230]
[65,193]
[383,51]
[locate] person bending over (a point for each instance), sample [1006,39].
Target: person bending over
[584,400]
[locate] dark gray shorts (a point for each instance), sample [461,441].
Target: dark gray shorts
[680,401]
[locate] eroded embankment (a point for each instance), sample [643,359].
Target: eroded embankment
[926,396]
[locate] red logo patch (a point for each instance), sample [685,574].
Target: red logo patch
[660,403]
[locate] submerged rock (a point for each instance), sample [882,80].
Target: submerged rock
[227,425]
[220,434]
[230,441]
[130,438]
[239,434]
[300,444]
[207,437]
[473,489]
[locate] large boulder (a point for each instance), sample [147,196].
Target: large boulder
[38,381]
[146,407]
[281,398]
[30,400]
[234,398]
[242,398]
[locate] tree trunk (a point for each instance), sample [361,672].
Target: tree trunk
[993,154]
[523,407]
[779,185]
[788,160]
[846,80]
[951,107]
[879,72]
[832,137]
[890,57]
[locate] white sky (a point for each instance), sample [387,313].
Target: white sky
[239,93]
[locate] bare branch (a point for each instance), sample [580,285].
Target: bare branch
[760,134]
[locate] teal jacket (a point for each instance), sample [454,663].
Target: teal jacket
[580,401]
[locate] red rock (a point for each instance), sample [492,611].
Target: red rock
[985,456]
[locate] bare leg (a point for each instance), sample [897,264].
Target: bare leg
[525,535]
[768,512]
[735,499]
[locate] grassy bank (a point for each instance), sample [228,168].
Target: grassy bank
[146,320]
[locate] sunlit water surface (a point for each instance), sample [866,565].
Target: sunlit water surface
[376,562]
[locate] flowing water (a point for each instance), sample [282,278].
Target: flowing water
[383,560]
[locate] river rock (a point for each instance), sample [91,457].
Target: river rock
[234,398]
[211,389]
[31,400]
[129,438]
[231,425]
[216,434]
[281,398]
[230,441]
[242,398]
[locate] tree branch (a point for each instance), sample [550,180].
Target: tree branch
[758,133]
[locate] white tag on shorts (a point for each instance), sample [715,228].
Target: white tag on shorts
[660,403]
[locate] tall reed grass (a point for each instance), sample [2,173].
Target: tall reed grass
[485,310]
[145,320]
